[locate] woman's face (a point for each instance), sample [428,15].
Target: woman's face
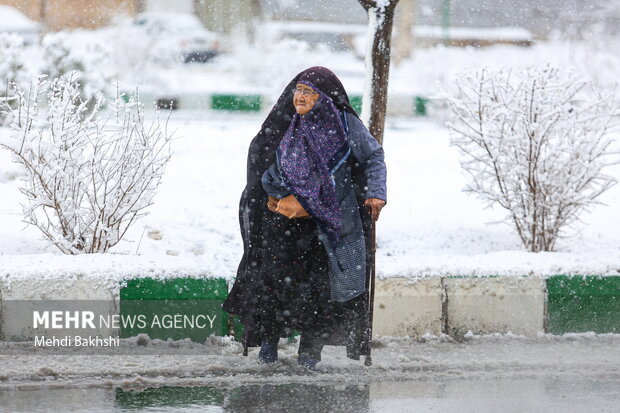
[304,98]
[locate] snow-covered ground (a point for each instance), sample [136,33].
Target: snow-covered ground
[428,228]
[478,357]
[571,373]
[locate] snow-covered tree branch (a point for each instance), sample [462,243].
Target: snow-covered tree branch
[536,143]
[88,179]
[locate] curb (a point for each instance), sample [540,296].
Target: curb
[457,305]
[398,105]
[18,302]
[403,307]
[191,297]
[582,304]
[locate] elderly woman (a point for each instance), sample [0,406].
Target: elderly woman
[315,180]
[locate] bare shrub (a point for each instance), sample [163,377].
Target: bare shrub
[89,178]
[536,143]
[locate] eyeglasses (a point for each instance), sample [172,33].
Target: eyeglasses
[304,92]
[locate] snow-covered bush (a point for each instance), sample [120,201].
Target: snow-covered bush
[84,60]
[536,143]
[88,178]
[11,71]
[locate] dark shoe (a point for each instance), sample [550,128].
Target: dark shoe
[268,352]
[306,361]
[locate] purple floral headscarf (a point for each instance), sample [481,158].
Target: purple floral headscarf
[306,154]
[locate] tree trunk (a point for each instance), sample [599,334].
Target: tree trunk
[374,101]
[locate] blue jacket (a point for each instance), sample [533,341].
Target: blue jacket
[347,261]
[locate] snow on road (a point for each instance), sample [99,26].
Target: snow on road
[219,362]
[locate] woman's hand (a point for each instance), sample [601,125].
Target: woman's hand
[272,203]
[374,206]
[291,208]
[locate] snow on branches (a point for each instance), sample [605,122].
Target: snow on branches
[88,178]
[536,143]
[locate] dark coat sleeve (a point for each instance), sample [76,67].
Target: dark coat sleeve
[369,154]
[273,183]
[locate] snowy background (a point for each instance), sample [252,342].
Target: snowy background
[429,227]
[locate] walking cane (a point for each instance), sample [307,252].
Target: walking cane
[371,297]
